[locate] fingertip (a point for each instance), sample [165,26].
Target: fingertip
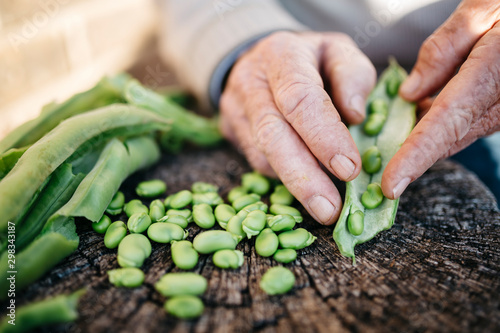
[410,88]
[323,210]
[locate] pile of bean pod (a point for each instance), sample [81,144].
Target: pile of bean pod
[225,225]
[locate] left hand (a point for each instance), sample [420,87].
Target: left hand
[467,107]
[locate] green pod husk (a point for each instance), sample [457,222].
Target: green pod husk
[400,122]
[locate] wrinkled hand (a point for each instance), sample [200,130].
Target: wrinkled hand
[468,106]
[276,109]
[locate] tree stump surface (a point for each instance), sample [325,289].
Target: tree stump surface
[436,270]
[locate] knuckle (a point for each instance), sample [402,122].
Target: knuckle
[460,124]
[438,51]
[296,96]
[268,130]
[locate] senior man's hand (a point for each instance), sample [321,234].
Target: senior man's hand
[276,107]
[468,106]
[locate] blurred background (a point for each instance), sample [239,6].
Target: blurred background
[51,49]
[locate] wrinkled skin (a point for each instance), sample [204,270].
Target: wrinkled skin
[287,97]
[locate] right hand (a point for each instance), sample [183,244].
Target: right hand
[276,109]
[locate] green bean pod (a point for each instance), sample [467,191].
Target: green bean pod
[235,193]
[133,250]
[203,216]
[253,224]
[166,232]
[184,255]
[114,234]
[266,243]
[223,213]
[184,306]
[101,226]
[135,206]
[255,182]
[296,239]
[400,121]
[202,187]
[281,222]
[278,209]
[181,199]
[228,259]
[115,207]
[156,210]
[185,283]
[129,277]
[277,280]
[245,200]
[285,255]
[138,223]
[151,188]
[281,196]
[214,240]
[175,219]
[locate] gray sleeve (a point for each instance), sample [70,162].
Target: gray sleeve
[201,39]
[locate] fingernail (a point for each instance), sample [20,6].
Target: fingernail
[411,84]
[399,189]
[358,105]
[343,166]
[322,208]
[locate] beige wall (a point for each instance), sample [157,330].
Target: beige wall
[50,49]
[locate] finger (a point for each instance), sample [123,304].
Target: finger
[423,106]
[460,104]
[448,47]
[351,74]
[297,168]
[298,93]
[240,135]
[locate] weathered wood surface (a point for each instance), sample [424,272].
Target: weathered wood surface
[436,270]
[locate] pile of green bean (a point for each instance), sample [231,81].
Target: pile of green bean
[165,221]
[390,119]
[70,161]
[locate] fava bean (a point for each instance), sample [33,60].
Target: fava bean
[281,222]
[235,226]
[167,200]
[175,219]
[245,200]
[223,213]
[378,105]
[203,216]
[373,196]
[355,223]
[296,239]
[214,240]
[138,223]
[133,250]
[129,277]
[253,224]
[184,255]
[184,307]
[266,243]
[156,210]
[285,255]
[202,187]
[166,232]
[235,193]
[277,280]
[392,85]
[255,182]
[281,196]
[115,207]
[183,212]
[185,283]
[181,199]
[209,198]
[374,124]
[278,209]
[135,206]
[372,160]
[228,258]
[103,225]
[114,234]
[259,205]
[151,188]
